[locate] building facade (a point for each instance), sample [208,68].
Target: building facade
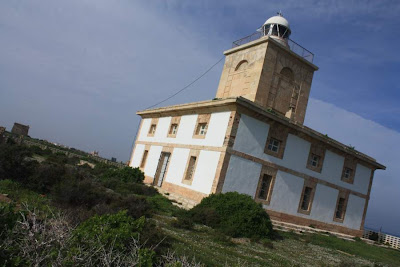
[251,139]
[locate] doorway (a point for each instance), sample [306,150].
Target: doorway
[161,168]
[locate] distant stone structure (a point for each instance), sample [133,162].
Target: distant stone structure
[113,159]
[20,129]
[94,153]
[2,136]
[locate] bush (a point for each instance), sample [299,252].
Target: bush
[14,163]
[126,174]
[108,230]
[76,192]
[46,176]
[126,188]
[233,214]
[8,218]
[100,168]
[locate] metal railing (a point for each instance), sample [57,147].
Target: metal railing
[295,47]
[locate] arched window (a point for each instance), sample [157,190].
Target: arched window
[242,65]
[288,73]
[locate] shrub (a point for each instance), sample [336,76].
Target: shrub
[126,174]
[114,230]
[76,192]
[13,162]
[8,218]
[126,188]
[135,206]
[46,176]
[234,214]
[100,168]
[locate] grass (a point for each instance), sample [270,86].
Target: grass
[358,248]
[213,249]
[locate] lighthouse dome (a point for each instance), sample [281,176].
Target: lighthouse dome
[278,20]
[278,28]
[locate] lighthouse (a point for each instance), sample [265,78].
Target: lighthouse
[251,139]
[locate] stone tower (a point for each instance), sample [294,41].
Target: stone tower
[272,71]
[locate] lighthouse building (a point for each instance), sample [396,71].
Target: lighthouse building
[251,139]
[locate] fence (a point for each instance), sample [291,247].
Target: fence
[295,47]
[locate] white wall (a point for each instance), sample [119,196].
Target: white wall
[177,165]
[204,174]
[137,156]
[152,160]
[215,132]
[286,193]
[354,212]
[242,176]
[324,204]
[251,138]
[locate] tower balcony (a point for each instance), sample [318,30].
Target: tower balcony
[295,47]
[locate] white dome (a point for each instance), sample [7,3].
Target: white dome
[278,20]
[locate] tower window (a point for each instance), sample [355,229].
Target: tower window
[273,145]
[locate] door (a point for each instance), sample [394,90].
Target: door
[162,168]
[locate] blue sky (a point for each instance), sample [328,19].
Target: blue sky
[77,71]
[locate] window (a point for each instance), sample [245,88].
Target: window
[347,173]
[305,203]
[307,197]
[349,168]
[265,187]
[173,129]
[190,169]
[201,129]
[276,140]
[340,209]
[316,157]
[273,145]
[152,129]
[341,205]
[314,160]
[143,163]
